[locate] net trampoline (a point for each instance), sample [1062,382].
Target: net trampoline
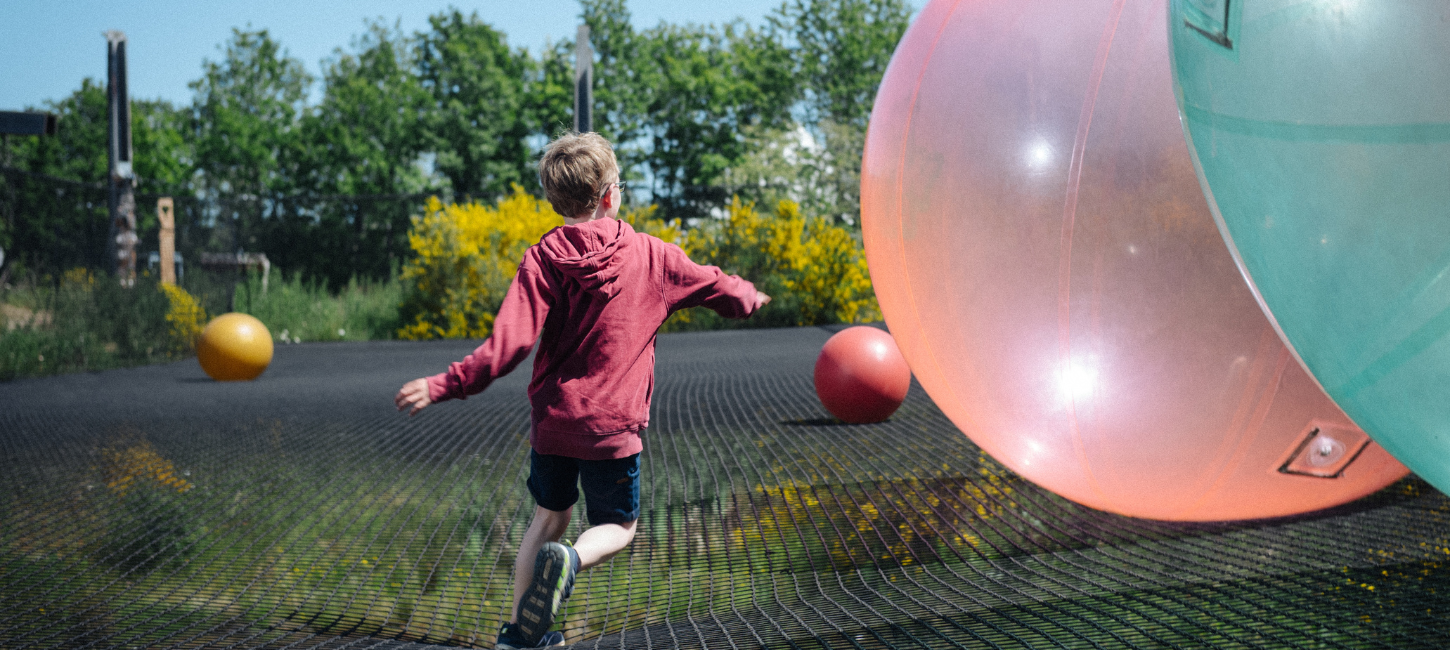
[152,507]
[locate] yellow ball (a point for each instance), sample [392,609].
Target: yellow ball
[234,347]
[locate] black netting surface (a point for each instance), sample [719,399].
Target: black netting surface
[152,507]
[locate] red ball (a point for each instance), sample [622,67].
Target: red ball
[861,376]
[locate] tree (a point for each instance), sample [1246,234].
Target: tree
[55,213]
[363,141]
[621,79]
[478,126]
[77,151]
[676,100]
[697,114]
[247,107]
[163,151]
[710,86]
[842,49]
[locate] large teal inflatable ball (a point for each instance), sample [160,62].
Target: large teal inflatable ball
[1321,133]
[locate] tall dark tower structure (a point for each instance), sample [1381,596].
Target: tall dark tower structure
[122,243]
[583,81]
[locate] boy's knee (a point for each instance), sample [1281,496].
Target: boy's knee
[552,522]
[629,528]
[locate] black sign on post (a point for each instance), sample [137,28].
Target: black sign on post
[583,82]
[123,179]
[15,123]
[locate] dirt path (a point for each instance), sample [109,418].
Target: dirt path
[17,316]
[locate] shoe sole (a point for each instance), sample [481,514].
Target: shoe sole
[505,646]
[541,600]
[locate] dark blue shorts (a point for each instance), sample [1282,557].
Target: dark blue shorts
[611,487]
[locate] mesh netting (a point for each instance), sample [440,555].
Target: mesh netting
[154,508]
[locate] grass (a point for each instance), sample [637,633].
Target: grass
[83,321]
[299,310]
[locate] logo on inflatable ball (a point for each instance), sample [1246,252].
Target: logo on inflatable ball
[861,376]
[234,347]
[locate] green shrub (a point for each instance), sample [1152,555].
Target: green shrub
[82,321]
[85,321]
[464,257]
[299,310]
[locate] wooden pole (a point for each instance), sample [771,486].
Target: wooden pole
[165,213]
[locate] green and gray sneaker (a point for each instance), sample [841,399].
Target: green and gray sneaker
[509,638]
[554,570]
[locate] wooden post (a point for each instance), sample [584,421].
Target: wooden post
[165,214]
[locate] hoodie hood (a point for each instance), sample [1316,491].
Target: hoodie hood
[590,253]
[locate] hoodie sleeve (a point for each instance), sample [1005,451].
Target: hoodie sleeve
[687,284]
[515,329]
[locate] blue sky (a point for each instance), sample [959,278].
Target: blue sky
[47,48]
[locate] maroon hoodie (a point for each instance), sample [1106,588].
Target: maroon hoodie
[596,291]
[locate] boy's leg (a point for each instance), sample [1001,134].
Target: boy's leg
[611,497]
[543,575]
[553,482]
[548,526]
[601,542]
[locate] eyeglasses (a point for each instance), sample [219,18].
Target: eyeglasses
[620,184]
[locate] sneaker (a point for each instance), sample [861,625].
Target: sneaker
[554,570]
[509,638]
[512,639]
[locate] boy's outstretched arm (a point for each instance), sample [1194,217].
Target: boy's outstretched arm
[688,284]
[515,329]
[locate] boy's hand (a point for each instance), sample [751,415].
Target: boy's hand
[761,300]
[414,394]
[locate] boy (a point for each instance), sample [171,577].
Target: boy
[592,292]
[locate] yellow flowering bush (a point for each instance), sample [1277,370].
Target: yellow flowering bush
[184,316]
[463,259]
[814,270]
[466,255]
[644,220]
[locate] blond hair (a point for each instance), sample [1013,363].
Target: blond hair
[575,169]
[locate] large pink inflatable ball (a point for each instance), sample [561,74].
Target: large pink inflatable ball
[1323,134]
[1049,267]
[861,376]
